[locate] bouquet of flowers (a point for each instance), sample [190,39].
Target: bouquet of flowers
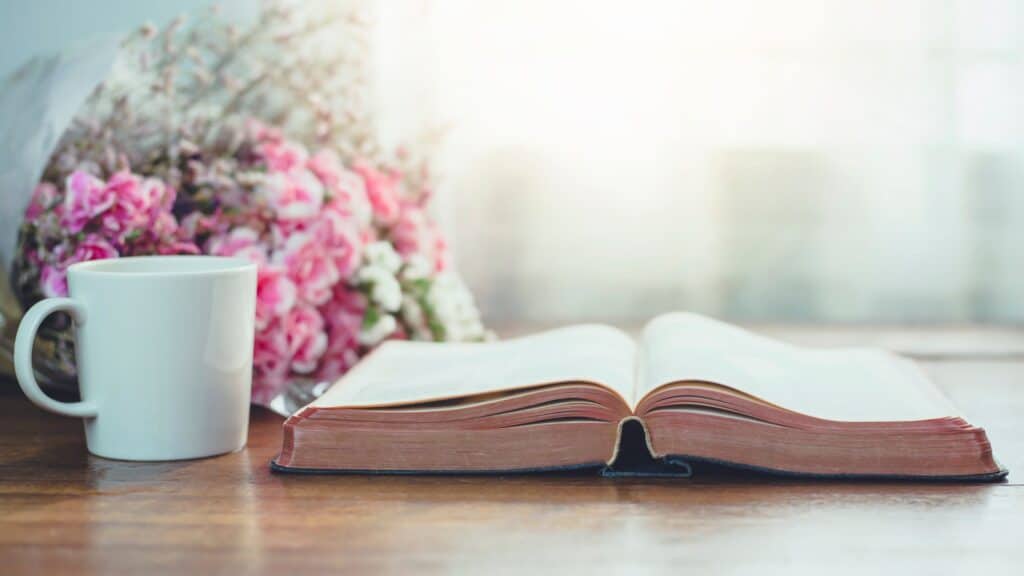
[251,143]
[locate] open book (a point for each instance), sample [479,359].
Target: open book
[699,389]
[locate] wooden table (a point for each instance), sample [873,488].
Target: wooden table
[62,511]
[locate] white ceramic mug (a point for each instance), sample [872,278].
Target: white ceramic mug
[163,346]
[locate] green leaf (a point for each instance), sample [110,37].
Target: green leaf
[371,317]
[437,330]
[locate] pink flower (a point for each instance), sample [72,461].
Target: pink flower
[307,341]
[282,155]
[293,196]
[348,198]
[43,197]
[197,224]
[270,363]
[130,206]
[381,189]
[441,256]
[125,187]
[53,281]
[85,198]
[345,189]
[341,355]
[53,277]
[139,204]
[275,295]
[346,308]
[159,197]
[411,232]
[93,247]
[341,239]
[416,233]
[178,247]
[343,316]
[310,266]
[261,132]
[242,242]
[164,225]
[399,334]
[326,165]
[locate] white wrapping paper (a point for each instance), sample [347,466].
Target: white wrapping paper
[37,102]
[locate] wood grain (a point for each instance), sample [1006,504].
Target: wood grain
[63,511]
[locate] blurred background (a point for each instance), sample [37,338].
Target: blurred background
[826,160]
[789,160]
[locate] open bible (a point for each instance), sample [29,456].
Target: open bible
[698,389]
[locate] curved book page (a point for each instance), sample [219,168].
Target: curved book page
[402,372]
[855,385]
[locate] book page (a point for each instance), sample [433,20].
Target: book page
[402,372]
[854,384]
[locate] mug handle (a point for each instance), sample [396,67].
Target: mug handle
[23,356]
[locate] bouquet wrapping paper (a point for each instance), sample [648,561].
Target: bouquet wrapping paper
[37,103]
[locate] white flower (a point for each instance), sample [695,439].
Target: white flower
[417,267]
[381,329]
[385,290]
[383,255]
[413,316]
[454,308]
